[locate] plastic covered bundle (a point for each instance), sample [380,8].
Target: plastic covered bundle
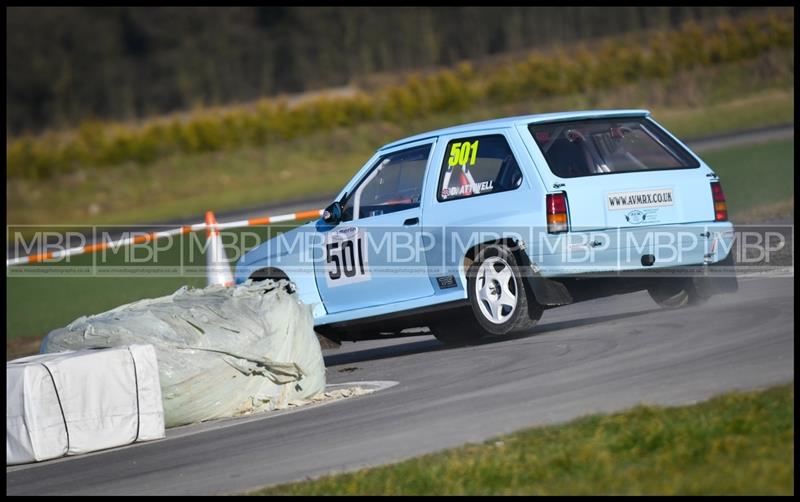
[76,402]
[221,351]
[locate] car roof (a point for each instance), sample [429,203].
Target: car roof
[520,119]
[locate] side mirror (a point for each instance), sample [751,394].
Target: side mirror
[333,213]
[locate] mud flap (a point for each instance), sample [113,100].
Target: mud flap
[548,293]
[717,278]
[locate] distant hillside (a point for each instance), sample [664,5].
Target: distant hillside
[67,65]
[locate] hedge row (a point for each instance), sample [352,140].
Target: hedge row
[560,71]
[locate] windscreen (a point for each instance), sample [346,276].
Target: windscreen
[608,146]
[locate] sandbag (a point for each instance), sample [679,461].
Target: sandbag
[76,402]
[222,351]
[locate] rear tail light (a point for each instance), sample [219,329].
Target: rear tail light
[720,206]
[556,212]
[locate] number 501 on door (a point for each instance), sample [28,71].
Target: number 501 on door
[346,257]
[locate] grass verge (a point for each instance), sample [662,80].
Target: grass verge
[735,444]
[756,178]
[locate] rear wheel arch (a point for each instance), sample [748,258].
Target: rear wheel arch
[509,243]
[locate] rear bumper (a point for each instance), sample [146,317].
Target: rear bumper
[612,251]
[708,263]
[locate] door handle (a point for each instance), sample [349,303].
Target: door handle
[411,221]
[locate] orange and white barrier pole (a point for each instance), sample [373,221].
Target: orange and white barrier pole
[152,236]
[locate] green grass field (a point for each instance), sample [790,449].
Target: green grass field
[735,444]
[752,176]
[37,304]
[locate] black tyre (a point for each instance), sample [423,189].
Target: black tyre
[500,302]
[460,329]
[676,293]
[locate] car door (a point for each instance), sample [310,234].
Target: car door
[372,257]
[479,192]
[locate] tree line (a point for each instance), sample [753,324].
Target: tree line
[66,65]
[567,69]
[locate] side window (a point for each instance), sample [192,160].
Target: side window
[477,165]
[393,184]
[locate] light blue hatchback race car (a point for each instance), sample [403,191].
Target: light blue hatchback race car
[475,230]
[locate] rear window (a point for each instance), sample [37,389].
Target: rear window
[608,146]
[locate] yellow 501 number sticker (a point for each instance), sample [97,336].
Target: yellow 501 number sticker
[461,153]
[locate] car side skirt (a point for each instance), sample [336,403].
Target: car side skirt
[391,323]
